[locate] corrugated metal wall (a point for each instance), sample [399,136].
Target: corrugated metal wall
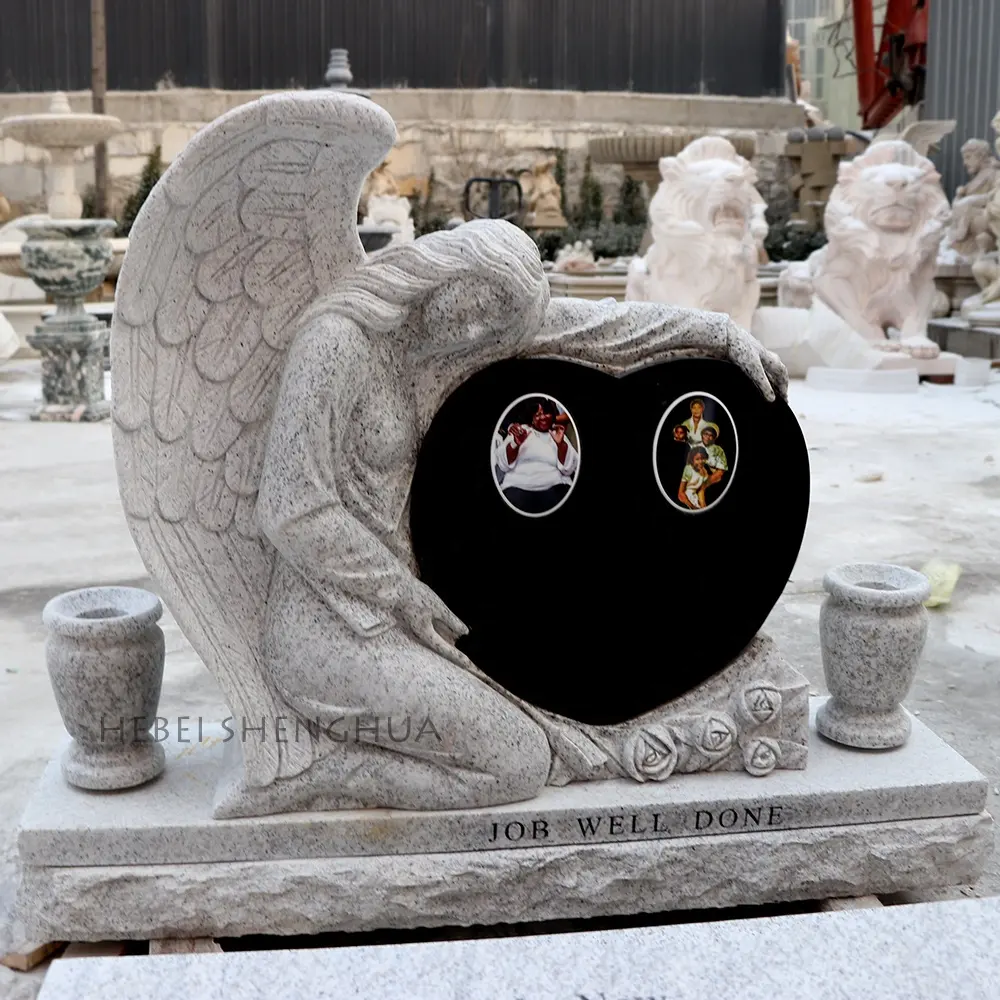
[731,47]
[963,76]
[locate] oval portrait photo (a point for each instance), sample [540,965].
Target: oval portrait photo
[695,452]
[535,456]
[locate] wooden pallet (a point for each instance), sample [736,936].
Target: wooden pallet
[31,957]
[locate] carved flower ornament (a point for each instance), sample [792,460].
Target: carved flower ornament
[649,753]
[761,703]
[761,756]
[718,735]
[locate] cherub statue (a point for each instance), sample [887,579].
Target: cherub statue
[543,196]
[969,221]
[271,388]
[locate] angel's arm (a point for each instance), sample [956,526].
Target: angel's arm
[298,507]
[618,336]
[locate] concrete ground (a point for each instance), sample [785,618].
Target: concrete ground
[902,478]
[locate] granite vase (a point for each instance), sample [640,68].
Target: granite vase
[105,655]
[873,626]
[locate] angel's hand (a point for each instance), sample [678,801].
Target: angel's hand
[430,620]
[762,366]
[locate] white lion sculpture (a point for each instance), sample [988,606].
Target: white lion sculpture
[707,222]
[884,221]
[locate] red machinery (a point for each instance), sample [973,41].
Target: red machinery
[894,77]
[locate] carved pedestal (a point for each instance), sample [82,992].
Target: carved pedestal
[68,260]
[72,371]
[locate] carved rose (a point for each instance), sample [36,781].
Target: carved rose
[762,703]
[649,754]
[718,735]
[761,756]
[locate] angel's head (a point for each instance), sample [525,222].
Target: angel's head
[492,295]
[477,288]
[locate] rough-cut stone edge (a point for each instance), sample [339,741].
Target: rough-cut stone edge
[356,894]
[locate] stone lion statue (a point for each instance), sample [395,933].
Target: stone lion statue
[884,221]
[706,219]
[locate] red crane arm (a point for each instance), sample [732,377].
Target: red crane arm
[895,76]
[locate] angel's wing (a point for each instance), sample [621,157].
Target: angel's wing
[254,220]
[923,136]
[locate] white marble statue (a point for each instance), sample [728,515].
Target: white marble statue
[884,222]
[543,196]
[983,308]
[575,258]
[707,223]
[271,388]
[969,234]
[392,210]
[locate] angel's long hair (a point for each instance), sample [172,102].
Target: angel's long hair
[381,293]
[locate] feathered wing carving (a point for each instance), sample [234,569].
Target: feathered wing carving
[924,136]
[254,220]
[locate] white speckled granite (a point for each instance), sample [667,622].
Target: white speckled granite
[171,822]
[105,658]
[484,887]
[929,951]
[842,827]
[872,628]
[271,386]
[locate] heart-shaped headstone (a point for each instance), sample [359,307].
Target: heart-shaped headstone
[653,559]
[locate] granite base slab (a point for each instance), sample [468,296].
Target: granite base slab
[932,951]
[233,899]
[852,823]
[169,821]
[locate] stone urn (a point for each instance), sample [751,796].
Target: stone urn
[68,259]
[872,627]
[105,657]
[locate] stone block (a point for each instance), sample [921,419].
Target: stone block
[137,142]
[11,152]
[174,138]
[936,951]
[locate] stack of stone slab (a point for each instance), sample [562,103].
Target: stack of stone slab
[960,336]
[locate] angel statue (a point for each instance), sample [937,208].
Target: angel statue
[271,387]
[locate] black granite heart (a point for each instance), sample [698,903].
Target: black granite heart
[610,542]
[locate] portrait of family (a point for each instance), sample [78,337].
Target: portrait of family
[536,455]
[695,452]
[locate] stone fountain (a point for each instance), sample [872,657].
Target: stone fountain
[61,133]
[67,257]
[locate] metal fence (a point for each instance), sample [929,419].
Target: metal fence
[733,47]
[963,76]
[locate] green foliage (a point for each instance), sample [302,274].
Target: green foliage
[559,173]
[151,173]
[549,241]
[614,239]
[791,240]
[420,211]
[590,206]
[89,199]
[609,239]
[631,209]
